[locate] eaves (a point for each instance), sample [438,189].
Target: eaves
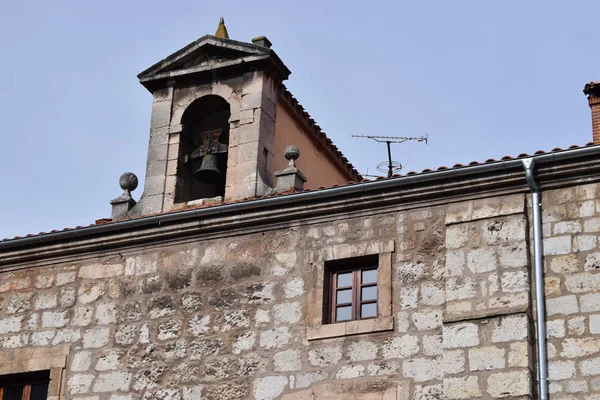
[555,169]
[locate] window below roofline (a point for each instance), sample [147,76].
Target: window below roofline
[319,301]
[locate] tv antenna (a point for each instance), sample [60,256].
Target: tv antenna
[392,165]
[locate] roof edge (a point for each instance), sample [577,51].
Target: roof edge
[157,220]
[206,39]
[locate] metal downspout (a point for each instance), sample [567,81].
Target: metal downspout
[536,207]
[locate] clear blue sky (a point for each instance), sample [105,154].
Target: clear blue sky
[484,79]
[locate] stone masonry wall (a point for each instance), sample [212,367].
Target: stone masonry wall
[572,262]
[226,318]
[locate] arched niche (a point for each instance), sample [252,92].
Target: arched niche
[204,117]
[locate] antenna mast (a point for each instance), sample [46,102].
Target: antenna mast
[389,140]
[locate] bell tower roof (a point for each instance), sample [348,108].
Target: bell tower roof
[215,56]
[222,30]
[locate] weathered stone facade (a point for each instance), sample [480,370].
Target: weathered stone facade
[228,301]
[226,314]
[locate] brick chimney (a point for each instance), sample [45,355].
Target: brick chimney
[592,90]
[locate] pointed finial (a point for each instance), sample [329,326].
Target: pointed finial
[222,30]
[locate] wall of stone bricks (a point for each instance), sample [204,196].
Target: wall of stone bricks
[226,318]
[572,261]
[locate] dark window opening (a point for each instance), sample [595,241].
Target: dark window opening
[351,289]
[26,386]
[204,142]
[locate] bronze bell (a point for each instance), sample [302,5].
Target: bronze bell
[209,170]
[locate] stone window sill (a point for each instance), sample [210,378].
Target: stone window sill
[351,328]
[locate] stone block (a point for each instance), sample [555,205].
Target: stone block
[96,338]
[288,360]
[432,294]
[564,305]
[518,354]
[427,320]
[555,329]
[584,347]
[400,347]
[515,281]
[112,382]
[592,262]
[287,313]
[55,319]
[453,361]
[459,212]
[587,209]
[90,292]
[455,263]
[513,255]
[507,384]
[501,231]
[460,288]
[590,302]
[109,360]
[20,302]
[100,271]
[383,368]
[294,288]
[486,358]
[481,260]
[564,264]
[81,361]
[79,383]
[422,369]
[583,282]
[576,326]
[591,225]
[67,297]
[457,236]
[161,114]
[64,278]
[432,345]
[577,387]
[510,328]
[466,387]
[44,281]
[590,367]
[350,372]
[275,338]
[557,245]
[362,351]
[326,356]
[552,286]
[269,387]
[584,243]
[66,336]
[307,379]
[458,335]
[569,227]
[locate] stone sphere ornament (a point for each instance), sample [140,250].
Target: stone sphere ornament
[291,154]
[128,181]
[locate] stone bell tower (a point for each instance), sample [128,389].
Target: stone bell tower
[213,122]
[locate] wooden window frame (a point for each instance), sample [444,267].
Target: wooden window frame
[317,299]
[25,380]
[356,266]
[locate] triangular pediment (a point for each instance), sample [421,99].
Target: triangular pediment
[209,53]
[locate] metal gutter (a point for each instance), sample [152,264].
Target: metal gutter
[275,201]
[540,312]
